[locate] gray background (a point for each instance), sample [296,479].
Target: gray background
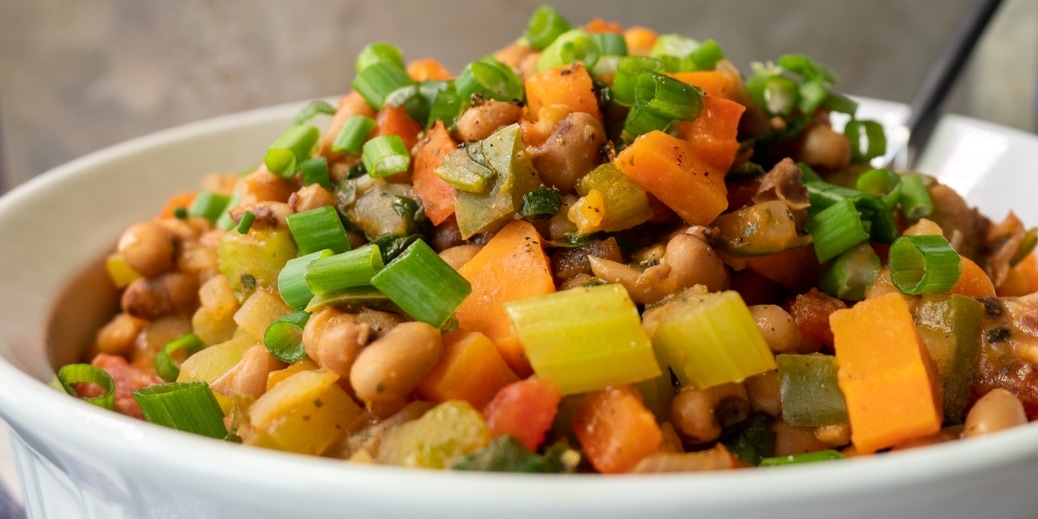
[78,75]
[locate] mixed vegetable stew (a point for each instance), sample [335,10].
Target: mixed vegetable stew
[598,250]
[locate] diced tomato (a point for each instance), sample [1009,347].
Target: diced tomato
[525,410]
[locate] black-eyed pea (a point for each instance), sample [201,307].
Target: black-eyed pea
[392,366]
[149,248]
[701,415]
[460,254]
[997,410]
[778,327]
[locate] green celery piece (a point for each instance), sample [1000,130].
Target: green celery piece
[950,325]
[255,259]
[443,435]
[584,338]
[513,177]
[711,339]
[626,203]
[809,390]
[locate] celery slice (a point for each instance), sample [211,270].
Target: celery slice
[711,340]
[584,338]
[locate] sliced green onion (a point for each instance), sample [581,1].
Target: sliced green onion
[446,106]
[705,57]
[317,229]
[353,300]
[391,245]
[353,135]
[541,204]
[813,94]
[71,374]
[247,218]
[184,406]
[780,95]
[610,43]
[376,81]
[627,71]
[376,53]
[180,212]
[570,47]
[314,109]
[165,366]
[915,198]
[544,26]
[867,138]
[385,155]
[225,221]
[921,264]
[841,103]
[290,149]
[292,285]
[423,285]
[417,98]
[852,273]
[284,337]
[315,171]
[836,229]
[881,182]
[347,269]
[673,50]
[809,457]
[641,120]
[490,79]
[209,206]
[667,96]
[807,68]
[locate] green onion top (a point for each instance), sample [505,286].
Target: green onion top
[185,406]
[376,53]
[571,46]
[353,135]
[291,148]
[921,264]
[385,155]
[544,26]
[314,109]
[284,337]
[165,366]
[71,374]
[490,79]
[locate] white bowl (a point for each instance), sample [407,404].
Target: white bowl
[75,460]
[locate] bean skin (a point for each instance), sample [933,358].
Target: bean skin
[149,248]
[392,366]
[997,410]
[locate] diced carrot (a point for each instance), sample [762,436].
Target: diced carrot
[470,369]
[639,40]
[886,374]
[568,85]
[179,200]
[428,69]
[600,25]
[795,268]
[516,254]
[349,105]
[973,281]
[714,83]
[1022,278]
[615,429]
[524,409]
[670,169]
[713,135]
[435,193]
[394,120]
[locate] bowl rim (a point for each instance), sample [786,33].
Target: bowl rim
[32,406]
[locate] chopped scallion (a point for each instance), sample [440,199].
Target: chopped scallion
[247,218]
[852,273]
[225,221]
[915,198]
[318,228]
[667,96]
[570,47]
[71,374]
[180,212]
[378,52]
[353,135]
[809,457]
[210,206]
[867,138]
[627,71]
[490,79]
[376,81]
[544,26]
[705,57]
[423,285]
[881,182]
[347,269]
[314,109]
[673,50]
[385,155]
[184,406]
[292,285]
[921,264]
[836,229]
[165,366]
[290,149]
[315,171]
[610,43]
[446,106]
[284,337]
